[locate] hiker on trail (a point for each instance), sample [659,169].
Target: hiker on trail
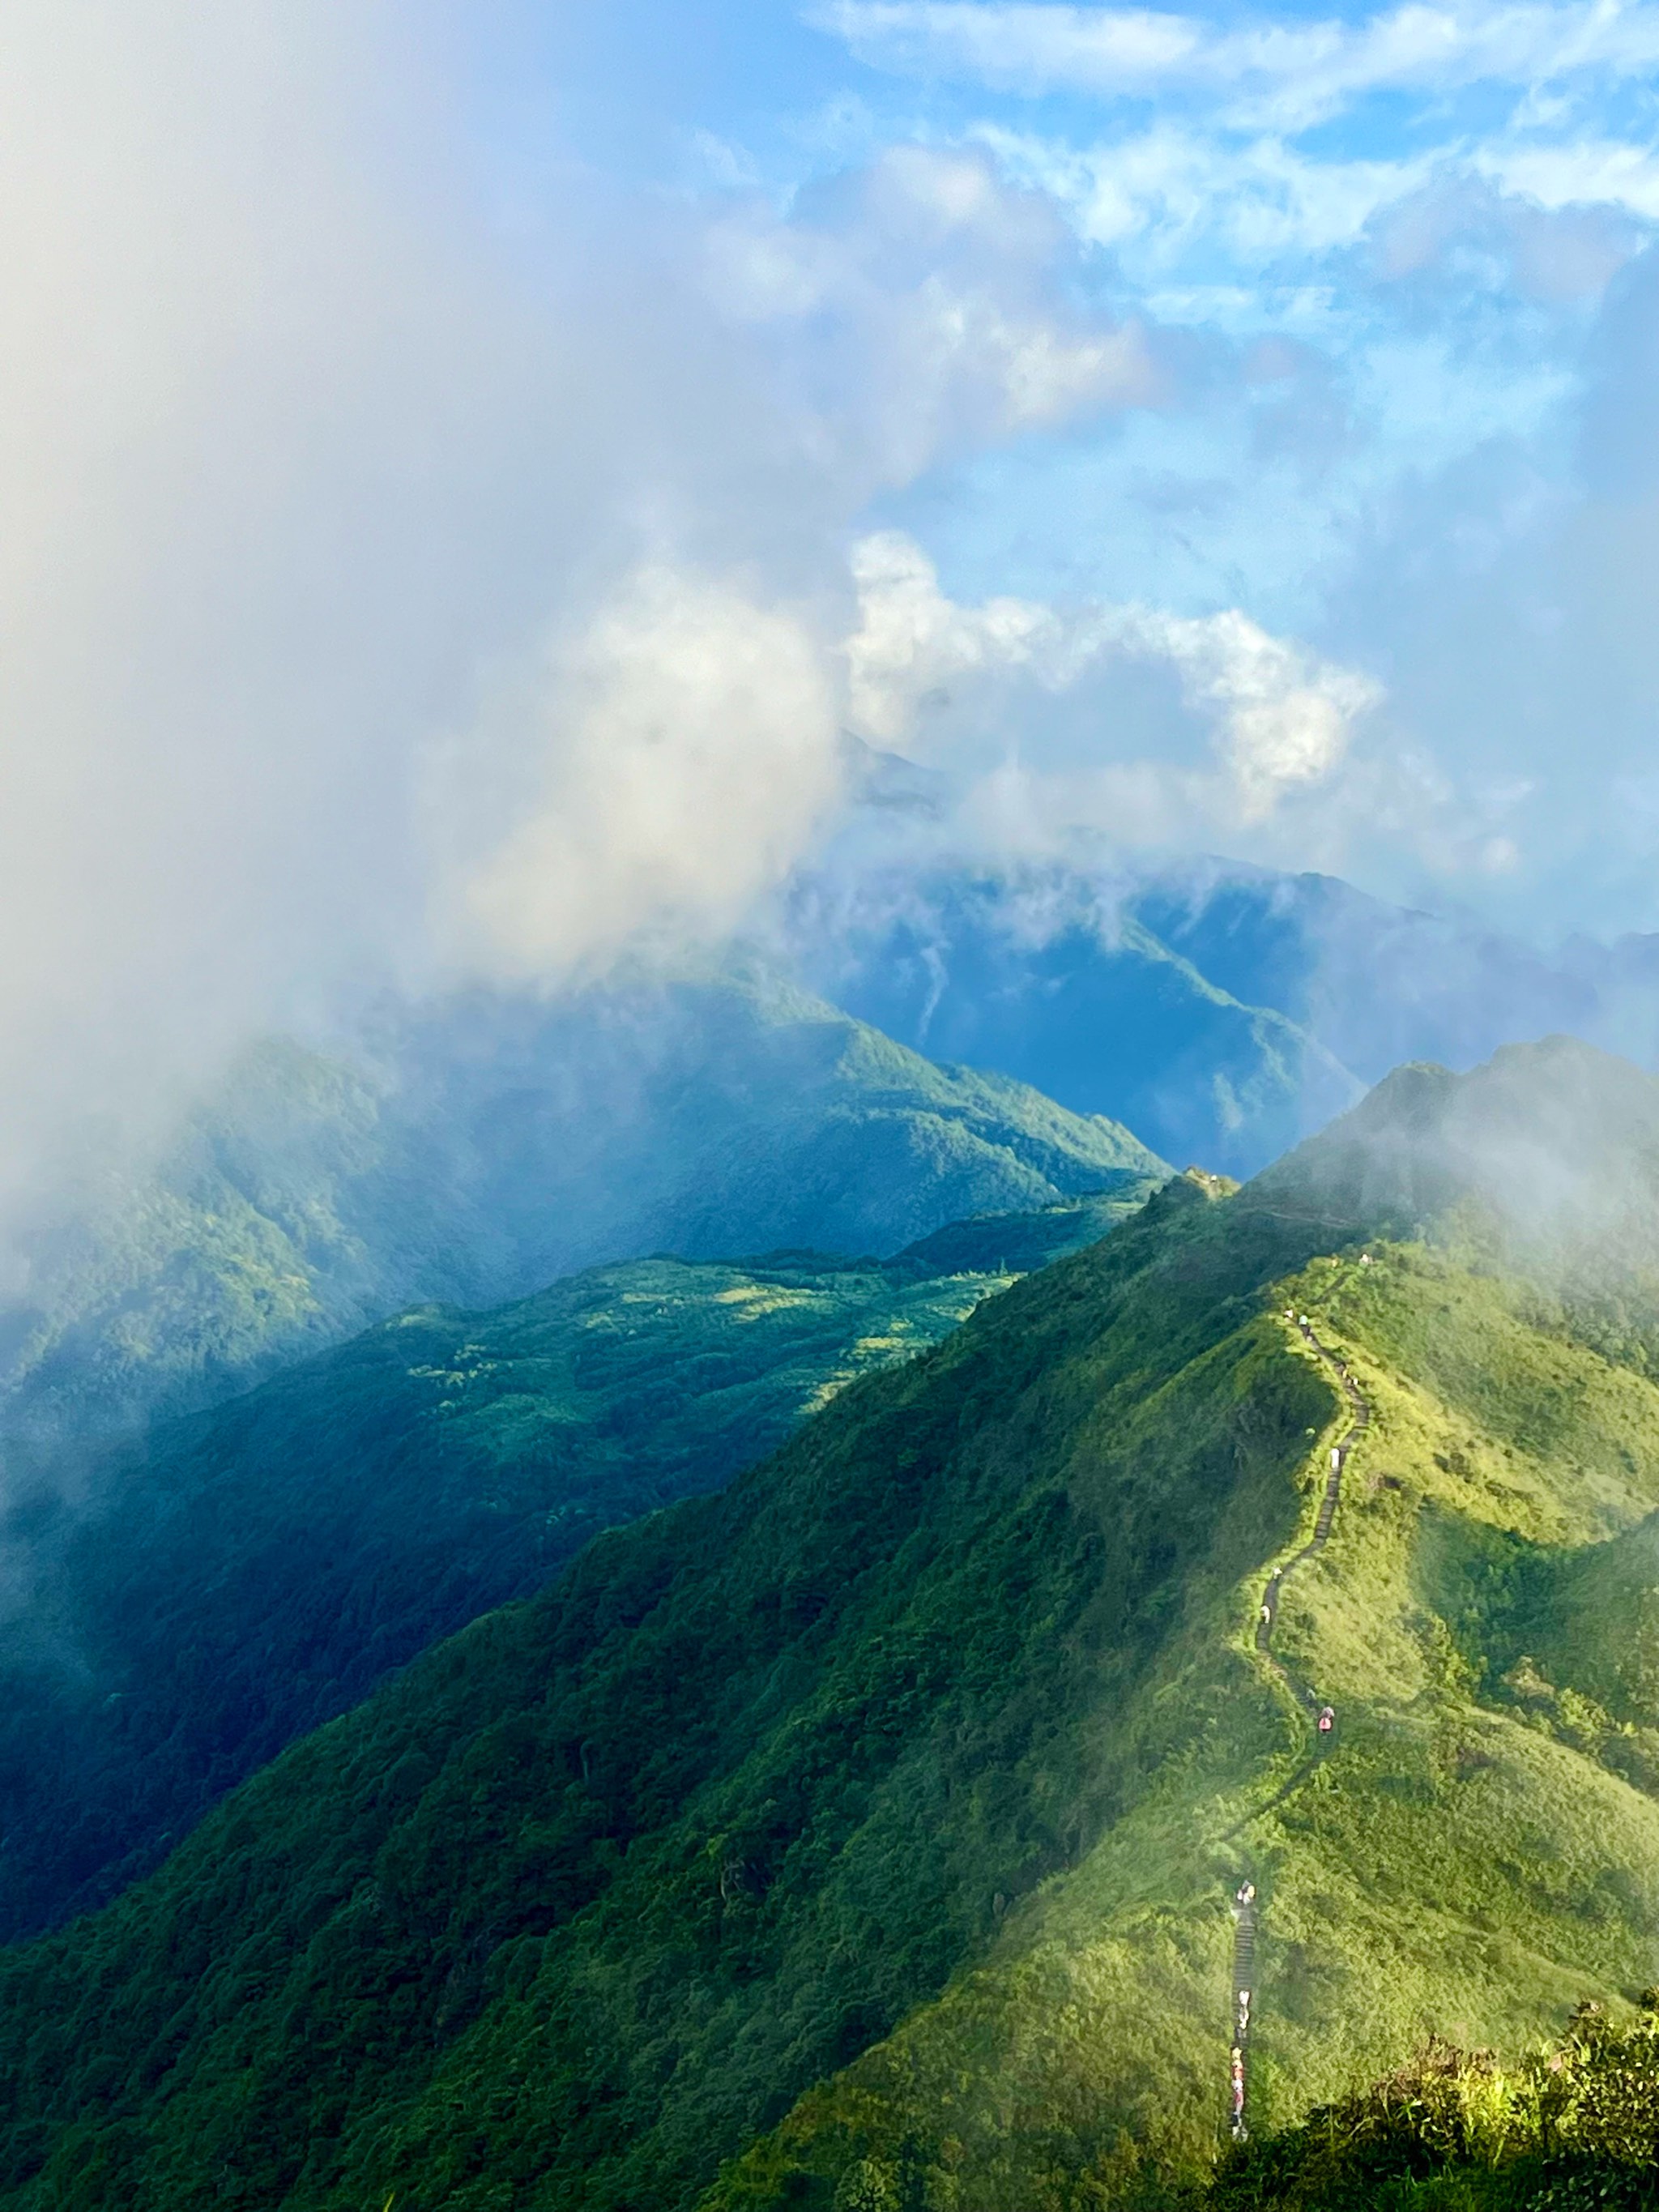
[1267,1611]
[1326,1719]
[1247,1892]
[1243,2013]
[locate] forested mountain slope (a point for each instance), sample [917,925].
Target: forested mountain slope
[470,1151]
[1221,1011]
[183,1606]
[864,1836]
[1052,976]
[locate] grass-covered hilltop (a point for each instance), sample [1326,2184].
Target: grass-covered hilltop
[185,1604]
[868,1836]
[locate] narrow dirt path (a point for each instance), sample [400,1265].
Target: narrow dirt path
[1244,1901]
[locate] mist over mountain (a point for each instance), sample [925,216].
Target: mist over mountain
[868,1831]
[468,1151]
[1052,975]
[1224,1011]
[1544,1160]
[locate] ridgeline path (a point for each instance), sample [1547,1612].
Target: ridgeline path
[1243,1995]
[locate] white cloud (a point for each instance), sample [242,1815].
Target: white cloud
[688,742]
[1286,75]
[298,456]
[1586,171]
[912,640]
[1277,721]
[1156,195]
[917,306]
[1283,717]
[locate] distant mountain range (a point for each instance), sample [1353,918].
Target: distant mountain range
[868,1836]
[959,1041]
[1054,976]
[1222,1012]
[470,1150]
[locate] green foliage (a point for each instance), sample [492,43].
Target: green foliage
[1574,2123]
[863,1836]
[474,1153]
[593,1891]
[199,1599]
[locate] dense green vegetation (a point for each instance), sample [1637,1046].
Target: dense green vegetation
[591,1892]
[1572,2127]
[862,1837]
[472,1153]
[196,1601]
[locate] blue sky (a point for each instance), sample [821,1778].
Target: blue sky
[468,471]
[1328,321]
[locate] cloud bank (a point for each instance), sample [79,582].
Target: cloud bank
[1188,727]
[1284,75]
[411,578]
[391,592]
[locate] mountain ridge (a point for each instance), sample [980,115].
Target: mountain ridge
[863,1837]
[471,1151]
[185,1605]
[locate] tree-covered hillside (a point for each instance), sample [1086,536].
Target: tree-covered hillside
[183,1607]
[1221,1011]
[1053,975]
[867,1836]
[472,1150]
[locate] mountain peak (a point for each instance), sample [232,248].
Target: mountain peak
[1553,1146]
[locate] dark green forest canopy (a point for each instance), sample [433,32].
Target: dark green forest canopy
[203,1596]
[861,1837]
[605,1882]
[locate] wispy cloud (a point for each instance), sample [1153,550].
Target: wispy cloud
[920,304]
[1155,193]
[1285,75]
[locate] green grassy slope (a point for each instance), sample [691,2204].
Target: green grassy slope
[863,1837]
[191,1603]
[470,1152]
[1449,1866]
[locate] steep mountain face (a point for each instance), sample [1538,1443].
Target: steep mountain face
[867,1835]
[182,1607]
[1224,1011]
[1056,978]
[472,1152]
[1376,983]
